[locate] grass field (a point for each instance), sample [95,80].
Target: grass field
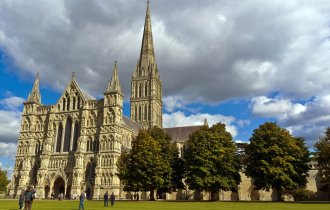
[166,205]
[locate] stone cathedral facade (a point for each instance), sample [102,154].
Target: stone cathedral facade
[74,144]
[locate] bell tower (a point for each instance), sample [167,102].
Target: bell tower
[146,87]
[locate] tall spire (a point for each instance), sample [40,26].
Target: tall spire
[147,55]
[35,96]
[114,84]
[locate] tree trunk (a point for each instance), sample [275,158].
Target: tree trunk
[198,195]
[214,195]
[152,194]
[279,194]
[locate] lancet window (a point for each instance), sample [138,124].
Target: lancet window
[59,138]
[67,135]
[38,148]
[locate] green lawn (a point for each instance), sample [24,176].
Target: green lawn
[166,205]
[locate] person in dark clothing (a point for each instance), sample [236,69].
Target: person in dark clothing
[106,199]
[112,199]
[21,200]
[29,195]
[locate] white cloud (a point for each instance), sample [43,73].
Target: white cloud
[12,103]
[307,120]
[9,125]
[7,150]
[180,119]
[245,48]
[172,102]
[274,107]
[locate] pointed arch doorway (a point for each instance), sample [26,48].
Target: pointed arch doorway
[59,186]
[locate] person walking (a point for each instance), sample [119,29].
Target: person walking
[28,197]
[106,199]
[82,198]
[112,199]
[21,200]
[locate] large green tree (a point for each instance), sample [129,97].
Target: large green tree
[276,159]
[3,180]
[173,175]
[142,169]
[322,156]
[211,160]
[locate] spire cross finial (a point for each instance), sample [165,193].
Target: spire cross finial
[73,75]
[37,74]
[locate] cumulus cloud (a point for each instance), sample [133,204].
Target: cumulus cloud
[207,51]
[7,149]
[9,125]
[180,119]
[12,103]
[308,119]
[274,107]
[10,119]
[233,48]
[172,103]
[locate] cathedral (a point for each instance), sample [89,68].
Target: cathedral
[73,145]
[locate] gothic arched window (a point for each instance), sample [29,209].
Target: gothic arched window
[145,112]
[146,90]
[73,103]
[67,135]
[68,104]
[140,90]
[75,137]
[136,91]
[78,105]
[63,104]
[59,138]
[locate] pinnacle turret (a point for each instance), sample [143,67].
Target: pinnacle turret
[35,96]
[114,84]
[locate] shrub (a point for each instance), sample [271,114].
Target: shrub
[302,194]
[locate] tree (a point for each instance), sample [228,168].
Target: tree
[173,167]
[211,160]
[322,156]
[3,180]
[142,169]
[178,169]
[276,159]
[164,141]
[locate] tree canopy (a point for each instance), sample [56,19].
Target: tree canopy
[150,164]
[211,160]
[276,159]
[173,167]
[3,180]
[322,156]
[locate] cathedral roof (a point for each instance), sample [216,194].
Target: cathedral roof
[87,96]
[181,134]
[131,124]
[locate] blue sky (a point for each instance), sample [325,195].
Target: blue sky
[241,63]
